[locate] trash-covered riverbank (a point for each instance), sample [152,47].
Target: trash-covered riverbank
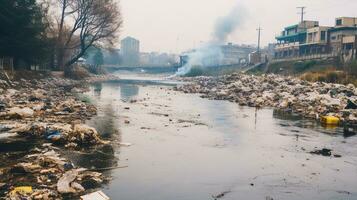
[47,111]
[311,100]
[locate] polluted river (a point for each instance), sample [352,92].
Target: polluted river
[180,146]
[177,146]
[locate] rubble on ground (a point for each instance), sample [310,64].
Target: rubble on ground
[47,110]
[43,174]
[309,99]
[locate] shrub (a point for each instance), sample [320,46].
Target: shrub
[332,77]
[321,78]
[78,73]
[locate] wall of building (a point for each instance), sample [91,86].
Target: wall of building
[319,40]
[130,51]
[346,21]
[317,35]
[336,38]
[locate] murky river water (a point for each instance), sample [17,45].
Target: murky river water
[188,148]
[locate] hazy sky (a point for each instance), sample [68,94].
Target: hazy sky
[178,25]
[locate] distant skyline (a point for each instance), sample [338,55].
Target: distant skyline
[173,26]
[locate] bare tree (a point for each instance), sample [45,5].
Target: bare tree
[82,24]
[95,22]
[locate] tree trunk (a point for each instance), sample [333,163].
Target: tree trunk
[59,54]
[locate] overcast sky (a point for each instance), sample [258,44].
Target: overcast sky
[177,25]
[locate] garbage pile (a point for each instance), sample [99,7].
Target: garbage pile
[47,80]
[309,99]
[47,111]
[43,174]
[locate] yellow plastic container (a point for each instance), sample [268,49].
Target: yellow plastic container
[330,120]
[22,190]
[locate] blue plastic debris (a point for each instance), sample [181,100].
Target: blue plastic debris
[54,135]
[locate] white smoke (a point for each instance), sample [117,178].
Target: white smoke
[226,25]
[205,55]
[210,54]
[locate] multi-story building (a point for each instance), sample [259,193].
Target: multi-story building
[291,38]
[235,54]
[308,39]
[130,51]
[218,55]
[341,35]
[316,41]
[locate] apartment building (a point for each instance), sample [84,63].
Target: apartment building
[343,33]
[291,38]
[309,39]
[130,51]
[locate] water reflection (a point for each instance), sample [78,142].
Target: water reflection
[98,89]
[290,119]
[285,115]
[243,143]
[128,91]
[101,157]
[106,122]
[349,132]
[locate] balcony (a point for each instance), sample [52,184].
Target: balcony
[287,45]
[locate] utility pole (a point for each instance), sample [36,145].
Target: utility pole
[259,33]
[302,12]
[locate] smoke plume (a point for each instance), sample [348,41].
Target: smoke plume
[228,24]
[210,54]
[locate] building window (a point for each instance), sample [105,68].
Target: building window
[309,38]
[338,22]
[323,35]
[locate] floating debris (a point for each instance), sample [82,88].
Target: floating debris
[323,152]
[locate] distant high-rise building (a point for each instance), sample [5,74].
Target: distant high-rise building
[130,51]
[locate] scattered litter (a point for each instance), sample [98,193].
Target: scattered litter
[323,152]
[220,195]
[45,109]
[21,190]
[54,135]
[17,112]
[303,98]
[99,195]
[191,122]
[63,185]
[160,114]
[125,144]
[351,105]
[330,120]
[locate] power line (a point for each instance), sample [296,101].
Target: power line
[302,12]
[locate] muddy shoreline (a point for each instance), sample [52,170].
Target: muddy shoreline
[41,118]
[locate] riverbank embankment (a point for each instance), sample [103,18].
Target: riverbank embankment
[44,112]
